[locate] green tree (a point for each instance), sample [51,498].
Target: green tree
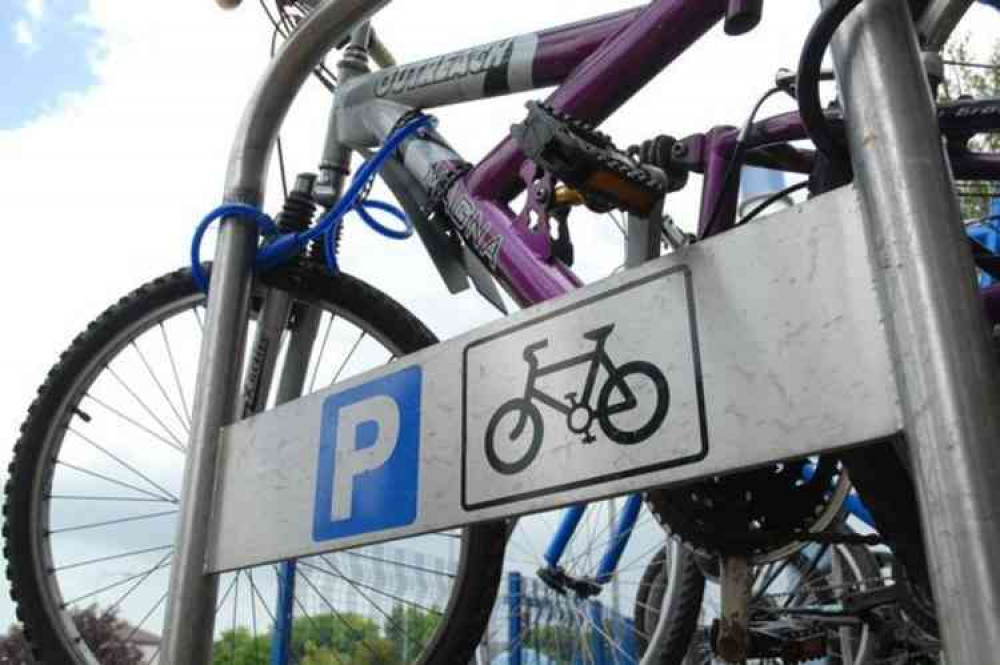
[240,647]
[341,632]
[967,74]
[410,629]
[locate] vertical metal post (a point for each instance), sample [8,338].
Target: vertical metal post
[514,642]
[190,613]
[281,639]
[937,330]
[290,386]
[192,592]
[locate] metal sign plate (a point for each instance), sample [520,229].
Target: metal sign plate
[581,395]
[760,345]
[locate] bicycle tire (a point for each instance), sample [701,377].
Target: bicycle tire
[682,605]
[47,624]
[646,430]
[522,462]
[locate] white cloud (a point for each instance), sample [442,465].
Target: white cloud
[24,35]
[35,9]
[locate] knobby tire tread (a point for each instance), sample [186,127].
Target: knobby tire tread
[469,607]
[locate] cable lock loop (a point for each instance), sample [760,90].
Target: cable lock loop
[282,247]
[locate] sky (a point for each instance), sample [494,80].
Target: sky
[116,118]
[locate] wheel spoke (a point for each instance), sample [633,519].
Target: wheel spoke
[357,588]
[232,633]
[337,615]
[125,464]
[322,350]
[153,609]
[113,557]
[162,563]
[159,437]
[120,520]
[407,566]
[163,392]
[177,377]
[88,472]
[145,407]
[373,589]
[75,497]
[260,596]
[312,621]
[138,583]
[350,354]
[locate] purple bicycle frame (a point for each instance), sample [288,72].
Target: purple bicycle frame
[598,65]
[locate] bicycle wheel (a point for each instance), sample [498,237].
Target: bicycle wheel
[639,418]
[527,416]
[787,596]
[679,607]
[93,487]
[571,614]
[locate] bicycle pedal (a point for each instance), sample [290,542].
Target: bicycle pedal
[587,160]
[588,438]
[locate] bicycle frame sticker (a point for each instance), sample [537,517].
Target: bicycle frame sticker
[581,396]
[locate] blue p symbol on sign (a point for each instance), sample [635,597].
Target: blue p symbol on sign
[369,455]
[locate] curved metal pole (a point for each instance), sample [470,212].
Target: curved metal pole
[190,613]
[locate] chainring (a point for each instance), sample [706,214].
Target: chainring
[759,513]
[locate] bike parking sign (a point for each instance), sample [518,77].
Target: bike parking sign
[582,396]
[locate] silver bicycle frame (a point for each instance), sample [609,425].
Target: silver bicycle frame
[946,375]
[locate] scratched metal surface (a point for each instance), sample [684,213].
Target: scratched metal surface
[778,321]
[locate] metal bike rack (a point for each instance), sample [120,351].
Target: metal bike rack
[803,332]
[941,351]
[767,355]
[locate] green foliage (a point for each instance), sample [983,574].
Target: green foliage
[343,638]
[240,647]
[410,629]
[970,74]
[341,633]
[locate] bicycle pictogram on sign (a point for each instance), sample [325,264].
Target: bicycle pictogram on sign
[615,397]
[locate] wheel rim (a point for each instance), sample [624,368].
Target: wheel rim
[417,573]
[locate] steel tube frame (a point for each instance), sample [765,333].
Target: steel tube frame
[937,331]
[190,613]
